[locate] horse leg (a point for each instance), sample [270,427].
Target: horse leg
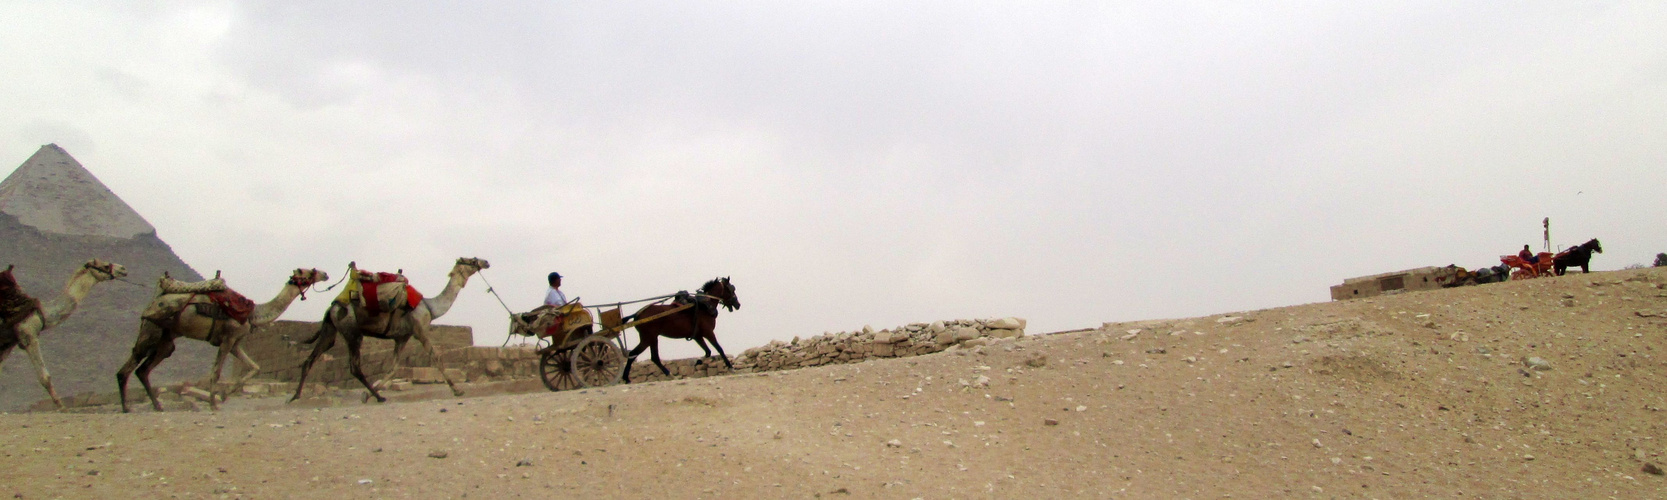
[714,339]
[163,349]
[322,341]
[706,350]
[631,357]
[354,342]
[31,344]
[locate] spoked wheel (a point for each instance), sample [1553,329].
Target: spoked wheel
[598,362]
[555,367]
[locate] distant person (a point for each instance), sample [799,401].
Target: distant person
[555,297]
[1528,255]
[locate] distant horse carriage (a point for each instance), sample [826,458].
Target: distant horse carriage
[1548,264]
[577,351]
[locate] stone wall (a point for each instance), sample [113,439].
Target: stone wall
[842,347]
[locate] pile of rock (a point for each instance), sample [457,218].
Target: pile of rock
[849,347]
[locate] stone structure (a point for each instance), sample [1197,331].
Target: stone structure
[1423,278]
[54,216]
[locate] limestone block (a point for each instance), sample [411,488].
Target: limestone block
[1006,324]
[1004,333]
[493,368]
[426,375]
[456,375]
[965,333]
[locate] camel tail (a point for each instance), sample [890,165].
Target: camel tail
[322,327]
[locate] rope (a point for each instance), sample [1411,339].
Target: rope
[124,280]
[331,287]
[494,291]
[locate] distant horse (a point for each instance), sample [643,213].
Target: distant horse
[695,324]
[1577,256]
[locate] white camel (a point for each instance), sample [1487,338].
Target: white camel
[26,330]
[350,318]
[195,316]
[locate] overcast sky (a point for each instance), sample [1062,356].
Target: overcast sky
[852,163]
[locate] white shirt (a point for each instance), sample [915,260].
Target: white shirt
[555,298]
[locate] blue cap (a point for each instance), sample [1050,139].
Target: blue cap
[554,275]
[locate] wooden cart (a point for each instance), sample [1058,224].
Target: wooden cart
[582,354]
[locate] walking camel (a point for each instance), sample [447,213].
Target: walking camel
[26,317]
[199,316]
[391,316]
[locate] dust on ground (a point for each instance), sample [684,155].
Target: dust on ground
[1539,388]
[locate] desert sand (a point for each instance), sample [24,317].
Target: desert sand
[1545,388]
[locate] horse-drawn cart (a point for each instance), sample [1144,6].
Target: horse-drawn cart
[573,351]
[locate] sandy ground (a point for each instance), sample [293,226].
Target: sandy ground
[1415,395]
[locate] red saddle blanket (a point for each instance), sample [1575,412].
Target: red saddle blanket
[14,304]
[372,281]
[233,304]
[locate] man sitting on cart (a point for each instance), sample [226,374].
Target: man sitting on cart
[565,317]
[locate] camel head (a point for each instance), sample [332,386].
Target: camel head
[468,266]
[304,278]
[105,271]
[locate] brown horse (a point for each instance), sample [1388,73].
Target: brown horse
[696,323]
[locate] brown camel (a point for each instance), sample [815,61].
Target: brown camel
[349,316]
[196,316]
[36,317]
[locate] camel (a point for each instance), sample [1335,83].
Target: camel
[36,317]
[195,316]
[349,317]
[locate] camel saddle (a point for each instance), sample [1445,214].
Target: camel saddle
[381,292]
[557,322]
[226,304]
[15,305]
[168,285]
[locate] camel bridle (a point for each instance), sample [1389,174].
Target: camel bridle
[109,270]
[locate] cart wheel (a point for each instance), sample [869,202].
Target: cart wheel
[598,362]
[554,367]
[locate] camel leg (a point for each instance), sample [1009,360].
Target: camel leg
[250,367]
[354,342]
[163,349]
[32,345]
[399,348]
[214,374]
[142,349]
[322,342]
[421,333]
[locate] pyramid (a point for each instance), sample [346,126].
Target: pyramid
[54,193]
[54,216]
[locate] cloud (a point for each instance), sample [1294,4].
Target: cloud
[853,164]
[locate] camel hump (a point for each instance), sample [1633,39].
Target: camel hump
[167,285]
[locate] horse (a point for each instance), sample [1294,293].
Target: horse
[697,324]
[1577,256]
